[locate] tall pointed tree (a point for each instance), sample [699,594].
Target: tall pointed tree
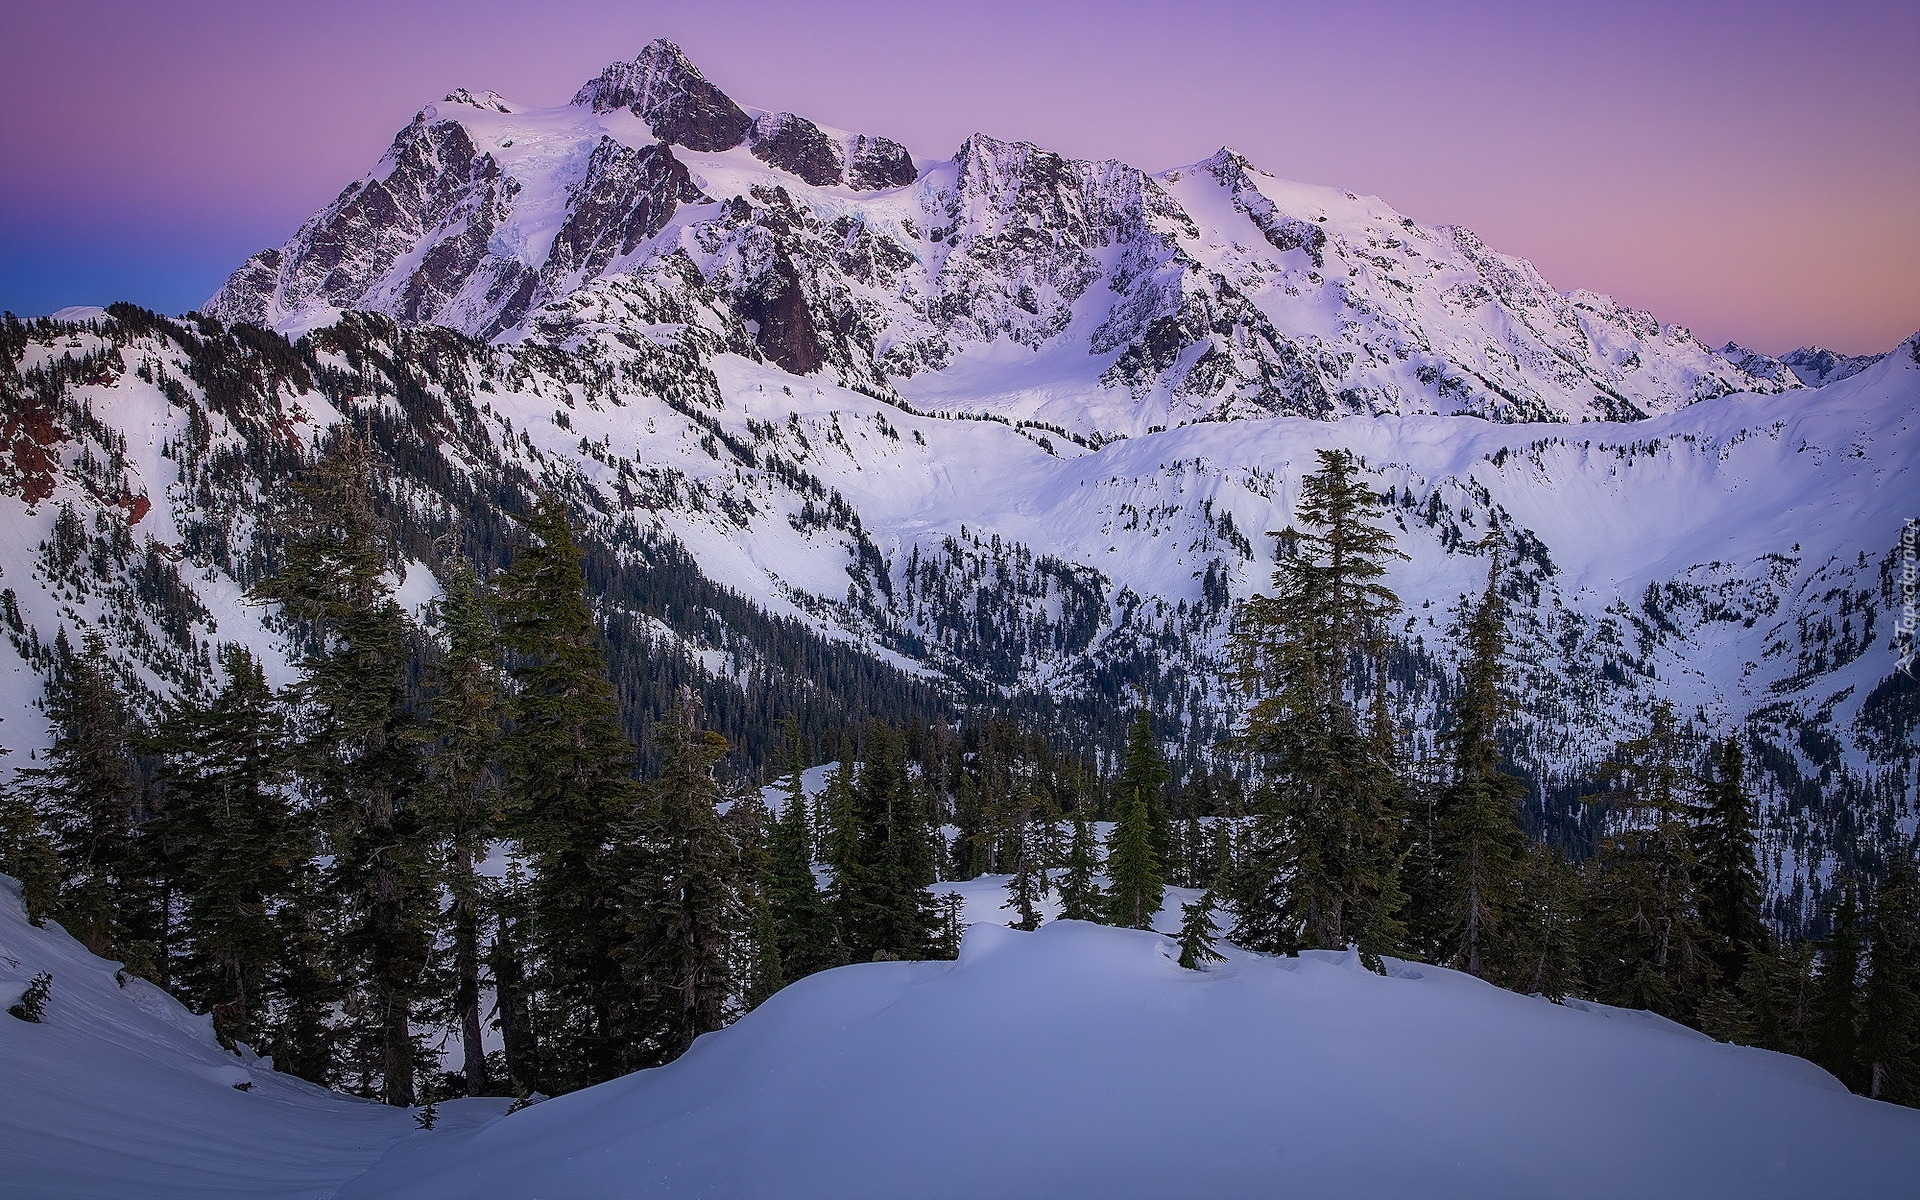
[568,787]
[1143,772]
[1481,843]
[686,909]
[1080,897]
[236,846]
[803,928]
[466,710]
[1835,1019]
[359,742]
[1731,889]
[1318,853]
[1890,1005]
[1135,886]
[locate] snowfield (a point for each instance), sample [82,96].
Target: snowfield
[1076,1061]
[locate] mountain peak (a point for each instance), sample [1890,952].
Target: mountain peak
[663,88]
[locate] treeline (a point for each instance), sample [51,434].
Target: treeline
[431,831]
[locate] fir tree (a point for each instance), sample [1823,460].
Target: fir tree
[463,817]
[1025,885]
[887,909]
[1321,841]
[1649,946]
[359,752]
[803,929]
[88,793]
[1834,1040]
[685,905]
[1143,772]
[1731,889]
[1480,840]
[1545,927]
[1080,898]
[27,853]
[237,848]
[1135,888]
[568,787]
[1197,934]
[1890,1006]
[514,1002]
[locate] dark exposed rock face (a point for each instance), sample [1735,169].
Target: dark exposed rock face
[625,198]
[797,145]
[672,97]
[879,163]
[777,303]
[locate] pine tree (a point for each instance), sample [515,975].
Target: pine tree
[514,1002]
[1080,898]
[1731,889]
[463,814]
[568,787]
[1649,946]
[1890,1007]
[1545,926]
[686,911]
[1135,887]
[1321,842]
[237,848]
[88,793]
[27,853]
[887,911]
[1025,886]
[1197,934]
[803,928]
[1835,1019]
[1480,840]
[1144,772]
[359,753]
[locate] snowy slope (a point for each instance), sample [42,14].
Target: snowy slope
[1082,1061]
[123,1092]
[1006,278]
[1075,1061]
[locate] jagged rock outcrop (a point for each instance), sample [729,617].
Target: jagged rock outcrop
[672,97]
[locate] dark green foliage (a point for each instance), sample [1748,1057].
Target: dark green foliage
[1544,930]
[27,854]
[358,752]
[1648,945]
[804,934]
[882,857]
[462,813]
[1479,835]
[1731,889]
[684,907]
[1197,934]
[1890,1006]
[1834,1027]
[236,849]
[32,1005]
[1143,772]
[569,787]
[1135,886]
[1320,847]
[1080,897]
[88,793]
[1026,886]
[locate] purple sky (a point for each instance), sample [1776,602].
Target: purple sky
[1751,170]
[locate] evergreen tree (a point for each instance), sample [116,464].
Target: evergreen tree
[1143,772]
[1197,934]
[568,787]
[1025,884]
[687,913]
[1321,843]
[27,853]
[1649,947]
[1135,888]
[88,793]
[514,1007]
[804,935]
[1080,898]
[1545,928]
[236,846]
[1731,889]
[889,911]
[467,708]
[1890,1007]
[359,749]
[1835,1019]
[1480,839]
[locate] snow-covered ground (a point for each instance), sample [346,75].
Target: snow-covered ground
[1074,1061]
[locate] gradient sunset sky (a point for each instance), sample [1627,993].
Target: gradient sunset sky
[1750,170]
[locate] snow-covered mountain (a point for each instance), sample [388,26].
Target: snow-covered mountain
[1074,1061]
[867,432]
[1005,278]
[1817,367]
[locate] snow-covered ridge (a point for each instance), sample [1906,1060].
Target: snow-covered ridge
[1074,1061]
[1005,279]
